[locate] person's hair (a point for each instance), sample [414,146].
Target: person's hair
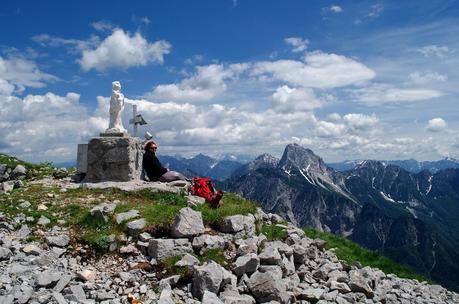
[149,145]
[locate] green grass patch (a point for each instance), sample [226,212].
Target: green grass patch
[97,240]
[232,204]
[216,255]
[169,268]
[159,209]
[353,253]
[273,232]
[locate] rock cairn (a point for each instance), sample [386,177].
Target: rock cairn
[40,265]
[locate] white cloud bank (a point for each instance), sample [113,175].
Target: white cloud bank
[286,99]
[45,127]
[319,70]
[207,83]
[17,73]
[123,50]
[436,125]
[378,94]
[427,77]
[433,50]
[299,44]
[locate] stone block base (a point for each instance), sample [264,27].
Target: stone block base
[114,159]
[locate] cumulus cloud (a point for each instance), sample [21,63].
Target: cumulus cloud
[46,127]
[336,9]
[102,25]
[298,44]
[207,82]
[358,121]
[319,70]
[286,99]
[75,46]
[433,50]
[376,11]
[123,50]
[19,72]
[378,94]
[6,88]
[194,59]
[427,77]
[436,125]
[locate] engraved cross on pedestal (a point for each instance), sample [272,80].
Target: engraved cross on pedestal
[136,119]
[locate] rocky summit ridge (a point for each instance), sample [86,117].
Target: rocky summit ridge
[196,257]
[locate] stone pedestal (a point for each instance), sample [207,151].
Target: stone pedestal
[114,159]
[82,158]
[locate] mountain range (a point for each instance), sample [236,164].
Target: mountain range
[411,218]
[410,165]
[201,165]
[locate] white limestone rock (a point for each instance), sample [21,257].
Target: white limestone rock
[187,223]
[246,264]
[206,277]
[104,210]
[161,249]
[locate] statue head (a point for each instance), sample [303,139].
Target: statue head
[116,86]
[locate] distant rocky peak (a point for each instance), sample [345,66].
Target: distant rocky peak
[201,156]
[267,159]
[302,158]
[373,165]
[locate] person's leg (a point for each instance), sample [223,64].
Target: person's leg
[171,176]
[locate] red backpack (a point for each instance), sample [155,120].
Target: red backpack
[202,186]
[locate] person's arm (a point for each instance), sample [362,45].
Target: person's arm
[159,166]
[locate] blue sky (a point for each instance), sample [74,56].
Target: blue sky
[360,79]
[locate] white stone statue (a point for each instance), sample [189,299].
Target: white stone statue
[116,107]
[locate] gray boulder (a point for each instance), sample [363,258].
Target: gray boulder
[59,241]
[187,223]
[204,242]
[340,286]
[232,224]
[276,271]
[47,278]
[193,200]
[19,172]
[358,283]
[210,298]
[236,298]
[265,289]
[246,264]
[126,216]
[104,210]
[4,176]
[207,277]
[3,168]
[60,173]
[161,249]
[281,247]
[5,253]
[31,249]
[136,226]
[299,254]
[311,294]
[43,221]
[187,260]
[7,186]
[270,256]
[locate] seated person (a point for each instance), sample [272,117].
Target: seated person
[155,171]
